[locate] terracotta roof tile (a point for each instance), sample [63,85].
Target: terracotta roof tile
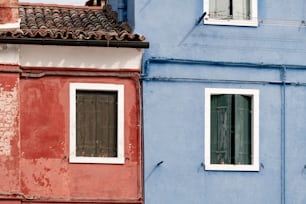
[67,22]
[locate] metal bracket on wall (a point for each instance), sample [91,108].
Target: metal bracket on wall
[154,168]
[203,165]
[304,169]
[262,166]
[201,18]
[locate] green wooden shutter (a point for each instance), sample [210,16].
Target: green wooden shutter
[221,119]
[242,129]
[96,124]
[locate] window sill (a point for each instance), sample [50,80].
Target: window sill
[229,167]
[249,23]
[97,160]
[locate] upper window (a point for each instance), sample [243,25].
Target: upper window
[231,12]
[231,129]
[96,123]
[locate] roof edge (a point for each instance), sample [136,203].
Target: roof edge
[32,4]
[71,42]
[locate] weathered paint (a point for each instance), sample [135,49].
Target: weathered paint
[45,169]
[9,110]
[8,11]
[34,122]
[34,158]
[9,132]
[173,101]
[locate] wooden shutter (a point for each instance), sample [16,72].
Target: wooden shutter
[221,120]
[96,121]
[242,129]
[220,9]
[241,9]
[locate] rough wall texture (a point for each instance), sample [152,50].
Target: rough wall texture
[8,111]
[8,11]
[174,105]
[45,169]
[9,133]
[34,145]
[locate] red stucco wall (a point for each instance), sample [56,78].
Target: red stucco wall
[46,173]
[9,132]
[8,11]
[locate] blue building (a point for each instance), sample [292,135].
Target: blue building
[224,111]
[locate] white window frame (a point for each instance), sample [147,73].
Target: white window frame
[252,22]
[254,94]
[120,123]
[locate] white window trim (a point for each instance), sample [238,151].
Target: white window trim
[252,22]
[120,126]
[254,93]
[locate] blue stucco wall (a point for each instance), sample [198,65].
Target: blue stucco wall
[183,60]
[280,36]
[125,10]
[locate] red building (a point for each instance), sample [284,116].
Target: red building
[70,116]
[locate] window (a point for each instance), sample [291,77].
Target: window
[96,123]
[231,12]
[232,129]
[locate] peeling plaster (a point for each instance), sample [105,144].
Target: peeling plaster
[8,113]
[45,177]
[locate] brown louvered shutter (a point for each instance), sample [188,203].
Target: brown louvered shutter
[96,121]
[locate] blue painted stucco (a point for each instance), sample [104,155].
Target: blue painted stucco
[116,5]
[183,60]
[125,10]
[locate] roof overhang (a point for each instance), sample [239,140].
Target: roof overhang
[71,57]
[72,42]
